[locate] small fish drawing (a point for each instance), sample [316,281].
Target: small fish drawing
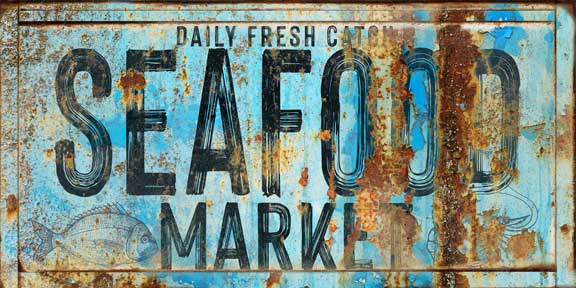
[432,242]
[105,235]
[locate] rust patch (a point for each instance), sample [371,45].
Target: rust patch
[129,281]
[183,76]
[303,181]
[332,226]
[499,164]
[324,135]
[522,245]
[103,280]
[331,192]
[454,204]
[130,82]
[49,154]
[386,171]
[152,282]
[565,131]
[119,168]
[349,248]
[395,218]
[273,279]
[453,280]
[258,138]
[408,198]
[457,16]
[11,206]
[330,242]
[565,229]
[490,235]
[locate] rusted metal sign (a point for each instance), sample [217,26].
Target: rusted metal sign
[356,145]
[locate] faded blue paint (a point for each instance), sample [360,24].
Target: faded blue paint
[531,46]
[181,114]
[419,95]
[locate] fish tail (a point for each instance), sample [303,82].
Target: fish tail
[46,237]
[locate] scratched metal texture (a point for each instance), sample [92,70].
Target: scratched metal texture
[534,211]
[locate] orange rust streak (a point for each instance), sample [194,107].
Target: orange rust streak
[489,237]
[454,203]
[273,279]
[11,206]
[386,171]
[522,245]
[324,135]
[303,177]
[129,82]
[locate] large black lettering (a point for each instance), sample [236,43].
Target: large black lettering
[73,181]
[277,238]
[196,234]
[336,65]
[140,120]
[218,88]
[274,119]
[314,243]
[231,226]
[421,114]
[502,65]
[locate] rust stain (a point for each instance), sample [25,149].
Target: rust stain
[392,215]
[236,157]
[565,229]
[11,206]
[303,181]
[331,192]
[183,76]
[333,226]
[119,168]
[454,204]
[130,82]
[49,154]
[349,248]
[565,132]
[152,282]
[129,281]
[286,152]
[522,245]
[499,164]
[408,198]
[490,235]
[186,87]
[453,279]
[103,280]
[543,139]
[273,279]
[330,242]
[386,171]
[258,138]
[239,70]
[324,135]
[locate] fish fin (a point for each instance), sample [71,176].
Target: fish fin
[518,220]
[113,208]
[46,237]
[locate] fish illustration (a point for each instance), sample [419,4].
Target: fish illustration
[105,235]
[432,242]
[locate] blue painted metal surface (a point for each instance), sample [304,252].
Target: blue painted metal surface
[143,143]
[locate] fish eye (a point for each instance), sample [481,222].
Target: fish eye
[144,239]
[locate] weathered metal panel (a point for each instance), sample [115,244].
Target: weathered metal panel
[207,145]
